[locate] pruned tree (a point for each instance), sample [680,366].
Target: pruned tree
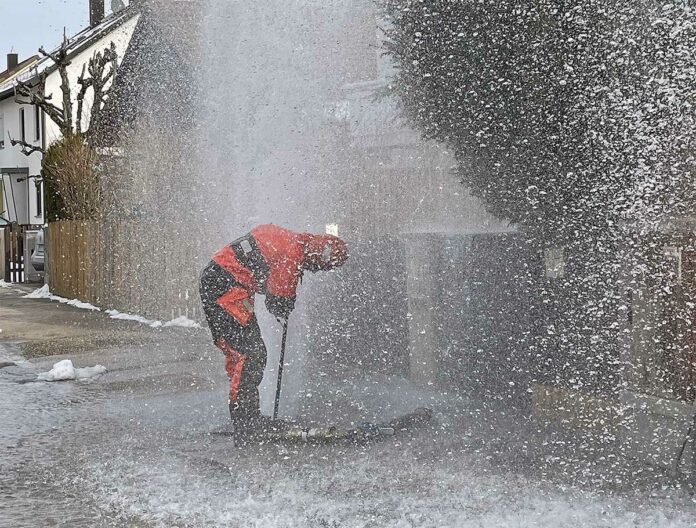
[69,165]
[563,115]
[100,69]
[576,121]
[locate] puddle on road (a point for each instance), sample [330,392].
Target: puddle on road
[41,448]
[83,455]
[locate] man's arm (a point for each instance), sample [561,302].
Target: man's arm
[281,285]
[280,307]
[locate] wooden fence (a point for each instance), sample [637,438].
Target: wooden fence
[128,266]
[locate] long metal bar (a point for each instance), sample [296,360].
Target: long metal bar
[280,370]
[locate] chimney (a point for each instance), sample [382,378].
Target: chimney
[12,61]
[96,12]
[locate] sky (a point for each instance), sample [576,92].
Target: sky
[27,24]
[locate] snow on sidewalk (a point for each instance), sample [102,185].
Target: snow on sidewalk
[45,293]
[115,314]
[181,321]
[64,371]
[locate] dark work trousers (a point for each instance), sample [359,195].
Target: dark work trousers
[229,310]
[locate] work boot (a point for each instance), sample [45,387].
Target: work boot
[250,426]
[259,430]
[240,423]
[264,425]
[262,430]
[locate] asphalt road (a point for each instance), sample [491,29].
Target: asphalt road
[138,447]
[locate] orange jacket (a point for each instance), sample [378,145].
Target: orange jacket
[286,254]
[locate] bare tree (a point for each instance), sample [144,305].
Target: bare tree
[100,69]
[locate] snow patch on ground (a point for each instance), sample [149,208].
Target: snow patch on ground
[4,284]
[45,293]
[115,314]
[181,321]
[64,370]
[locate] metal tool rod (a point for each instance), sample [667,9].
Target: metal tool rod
[280,370]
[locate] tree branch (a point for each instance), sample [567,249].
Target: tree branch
[96,74]
[100,76]
[27,148]
[25,93]
[85,84]
[60,58]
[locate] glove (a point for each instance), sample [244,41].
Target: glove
[280,307]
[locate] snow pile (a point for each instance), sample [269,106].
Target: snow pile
[181,321]
[4,284]
[45,293]
[80,304]
[115,314]
[64,370]
[40,293]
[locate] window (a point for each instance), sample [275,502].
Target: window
[22,126]
[39,197]
[2,134]
[37,123]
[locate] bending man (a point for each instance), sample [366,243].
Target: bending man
[269,260]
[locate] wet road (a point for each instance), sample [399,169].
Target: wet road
[133,449]
[41,426]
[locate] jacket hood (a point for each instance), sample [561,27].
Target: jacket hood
[324,252]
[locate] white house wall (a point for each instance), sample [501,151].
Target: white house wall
[121,37]
[12,161]
[11,158]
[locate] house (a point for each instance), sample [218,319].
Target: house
[20,199]
[21,188]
